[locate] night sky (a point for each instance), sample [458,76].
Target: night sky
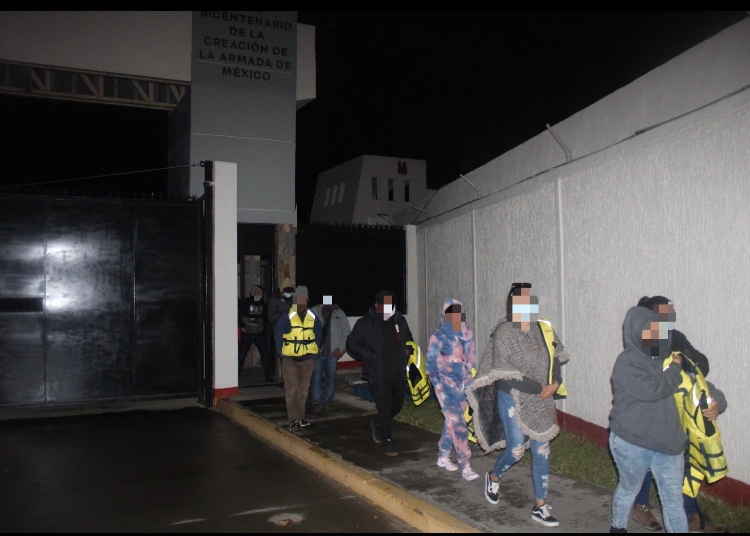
[456,89]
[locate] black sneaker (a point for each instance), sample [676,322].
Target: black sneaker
[389,447]
[293,426]
[376,431]
[304,424]
[541,514]
[491,489]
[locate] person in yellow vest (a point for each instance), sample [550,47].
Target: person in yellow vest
[298,335]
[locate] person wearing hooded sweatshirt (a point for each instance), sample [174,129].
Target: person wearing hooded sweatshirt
[512,397]
[451,364]
[645,430]
[642,512]
[335,331]
[379,339]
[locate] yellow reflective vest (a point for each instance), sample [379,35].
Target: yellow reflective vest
[705,454]
[416,376]
[549,339]
[300,339]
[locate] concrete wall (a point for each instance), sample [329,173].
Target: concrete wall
[139,43]
[243,107]
[699,76]
[329,205]
[661,212]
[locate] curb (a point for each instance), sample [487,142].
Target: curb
[416,512]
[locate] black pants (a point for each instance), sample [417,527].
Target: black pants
[259,340]
[389,399]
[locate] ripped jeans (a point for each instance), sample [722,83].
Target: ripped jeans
[514,448]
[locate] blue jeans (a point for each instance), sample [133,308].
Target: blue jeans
[325,365]
[514,448]
[690,503]
[633,462]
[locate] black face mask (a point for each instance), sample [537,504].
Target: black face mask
[660,348]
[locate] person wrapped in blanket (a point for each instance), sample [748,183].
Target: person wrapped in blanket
[451,364]
[513,394]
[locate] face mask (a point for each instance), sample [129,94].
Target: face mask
[288,294]
[665,326]
[388,310]
[256,298]
[528,311]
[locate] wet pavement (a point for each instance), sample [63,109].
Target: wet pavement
[175,466]
[344,433]
[163,469]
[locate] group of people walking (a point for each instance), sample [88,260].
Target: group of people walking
[511,392]
[308,342]
[511,395]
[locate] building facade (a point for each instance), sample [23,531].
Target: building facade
[369,190]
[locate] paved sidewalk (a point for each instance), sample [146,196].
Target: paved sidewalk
[339,444]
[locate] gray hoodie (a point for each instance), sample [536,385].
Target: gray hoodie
[337,332]
[644,411]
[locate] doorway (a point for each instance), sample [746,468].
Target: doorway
[255,266]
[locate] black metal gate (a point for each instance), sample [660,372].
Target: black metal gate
[101,299]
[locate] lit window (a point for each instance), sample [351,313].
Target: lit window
[333,194]
[375,188]
[406,191]
[341,192]
[328,197]
[390,189]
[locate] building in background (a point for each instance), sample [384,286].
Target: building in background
[370,190]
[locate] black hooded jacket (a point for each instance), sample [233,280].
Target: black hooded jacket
[365,343]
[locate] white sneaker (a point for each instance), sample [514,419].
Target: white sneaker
[447,464]
[468,473]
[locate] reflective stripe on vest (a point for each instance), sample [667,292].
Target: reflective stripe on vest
[705,453]
[300,339]
[549,339]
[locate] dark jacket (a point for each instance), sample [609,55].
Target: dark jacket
[680,343]
[365,343]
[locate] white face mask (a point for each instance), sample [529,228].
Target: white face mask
[288,294]
[256,298]
[388,310]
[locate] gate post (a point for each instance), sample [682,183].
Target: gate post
[224,284]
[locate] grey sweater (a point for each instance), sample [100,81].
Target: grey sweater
[516,361]
[644,411]
[337,332]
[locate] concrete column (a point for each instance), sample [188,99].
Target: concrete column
[286,253]
[225,279]
[412,285]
